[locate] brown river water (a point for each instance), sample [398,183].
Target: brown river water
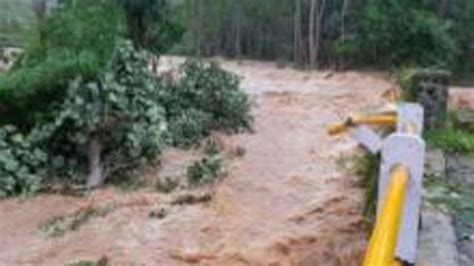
[284,202]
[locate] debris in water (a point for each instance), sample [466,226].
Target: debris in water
[192,198]
[191,256]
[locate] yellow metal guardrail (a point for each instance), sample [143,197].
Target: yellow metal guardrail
[381,248]
[384,119]
[383,241]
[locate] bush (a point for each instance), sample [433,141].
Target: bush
[115,123]
[204,171]
[206,98]
[84,105]
[119,113]
[188,127]
[207,87]
[22,163]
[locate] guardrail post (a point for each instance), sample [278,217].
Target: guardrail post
[395,236]
[406,148]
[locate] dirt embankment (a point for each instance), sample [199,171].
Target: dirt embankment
[285,202]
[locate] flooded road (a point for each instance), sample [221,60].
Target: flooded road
[284,202]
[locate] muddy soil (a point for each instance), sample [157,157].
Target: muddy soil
[284,202]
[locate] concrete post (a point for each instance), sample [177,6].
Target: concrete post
[432,93]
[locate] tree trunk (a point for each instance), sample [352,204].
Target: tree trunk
[198,9]
[442,7]
[96,172]
[39,7]
[237,28]
[342,59]
[312,46]
[297,33]
[318,31]
[345,6]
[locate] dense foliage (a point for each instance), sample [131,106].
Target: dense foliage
[206,98]
[82,105]
[397,32]
[15,18]
[118,112]
[125,114]
[149,24]
[336,33]
[311,33]
[74,41]
[22,163]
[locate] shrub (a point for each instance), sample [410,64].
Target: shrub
[22,163]
[118,114]
[113,124]
[85,106]
[406,79]
[115,120]
[204,171]
[207,87]
[206,98]
[189,126]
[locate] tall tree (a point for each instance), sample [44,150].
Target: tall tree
[237,17]
[320,14]
[150,25]
[315,26]
[198,24]
[345,7]
[312,45]
[297,33]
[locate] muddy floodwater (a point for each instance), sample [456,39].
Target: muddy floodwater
[284,202]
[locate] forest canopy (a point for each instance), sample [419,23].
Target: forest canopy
[336,33]
[310,33]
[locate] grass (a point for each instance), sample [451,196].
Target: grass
[366,166]
[452,137]
[451,140]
